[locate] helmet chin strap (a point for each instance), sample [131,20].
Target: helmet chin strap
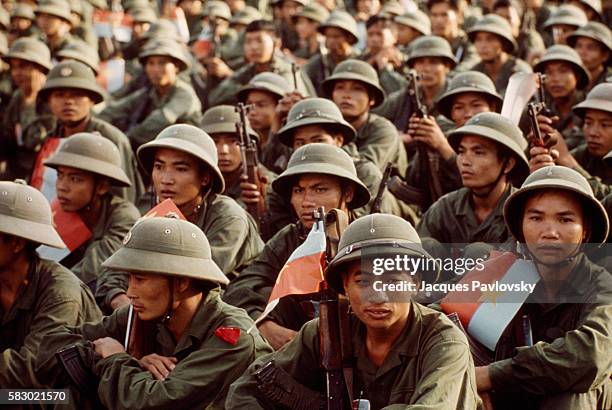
[568,260]
[170,310]
[489,188]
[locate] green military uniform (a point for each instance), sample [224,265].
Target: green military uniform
[464,52]
[145,113]
[428,365]
[99,156]
[568,367]
[51,298]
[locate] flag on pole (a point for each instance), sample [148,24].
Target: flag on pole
[486,309]
[302,272]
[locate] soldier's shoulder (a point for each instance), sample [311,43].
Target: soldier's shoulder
[56,282]
[436,327]
[123,207]
[109,131]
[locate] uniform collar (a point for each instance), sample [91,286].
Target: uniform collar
[26,295]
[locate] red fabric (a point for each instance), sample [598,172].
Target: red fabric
[70,227]
[50,145]
[164,208]
[228,334]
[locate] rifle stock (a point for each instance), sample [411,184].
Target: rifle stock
[381,189]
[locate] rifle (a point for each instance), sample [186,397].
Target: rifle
[539,108]
[250,164]
[381,189]
[294,70]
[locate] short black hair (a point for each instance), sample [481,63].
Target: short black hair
[452,3]
[378,18]
[262,25]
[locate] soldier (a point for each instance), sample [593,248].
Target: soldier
[168,100]
[492,36]
[186,346]
[530,43]
[318,175]
[490,158]
[554,215]
[71,92]
[355,89]
[306,23]
[445,22]
[22,22]
[81,22]
[410,26]
[182,162]
[340,31]
[564,21]
[38,296]
[403,353]
[593,42]
[30,62]
[55,21]
[288,9]
[80,51]
[87,166]
[592,8]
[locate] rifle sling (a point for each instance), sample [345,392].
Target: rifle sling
[346,345]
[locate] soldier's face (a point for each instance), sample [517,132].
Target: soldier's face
[26,74]
[561,80]
[375,309]
[178,176]
[288,9]
[51,25]
[406,34]
[310,134]
[352,98]
[161,71]
[263,110]
[444,21]
[511,15]
[313,191]
[432,70]
[478,162]
[139,28]
[70,105]
[466,105]
[305,28]
[337,42]
[591,52]
[150,295]
[75,188]
[258,47]
[379,37]
[553,225]
[561,31]
[597,131]
[488,45]
[228,151]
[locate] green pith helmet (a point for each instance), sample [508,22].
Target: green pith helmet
[166,47]
[218,9]
[468,82]
[559,178]
[594,5]
[430,46]
[566,54]
[415,19]
[566,14]
[497,128]
[162,28]
[246,16]
[392,9]
[185,138]
[267,81]
[143,15]
[315,111]
[24,11]
[595,31]
[80,51]
[343,21]
[325,159]
[495,24]
[313,11]
[31,50]
[376,235]
[93,153]
[167,246]
[356,70]
[25,212]
[223,119]
[599,98]
[71,74]
[57,8]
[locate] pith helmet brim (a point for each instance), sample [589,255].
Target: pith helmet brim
[583,76]
[88,164]
[265,87]
[352,38]
[227,128]
[146,157]
[285,134]
[593,104]
[94,90]
[29,57]
[32,231]
[375,89]
[444,103]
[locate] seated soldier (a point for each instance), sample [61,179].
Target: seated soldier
[492,37]
[55,22]
[87,166]
[530,43]
[168,100]
[71,92]
[593,43]
[318,175]
[490,159]
[355,89]
[410,26]
[37,296]
[403,354]
[185,345]
[563,21]
[182,162]
[306,23]
[554,215]
[261,45]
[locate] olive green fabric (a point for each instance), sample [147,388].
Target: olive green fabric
[464,51]
[320,67]
[53,298]
[429,365]
[595,170]
[511,66]
[71,74]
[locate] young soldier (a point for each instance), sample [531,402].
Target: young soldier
[186,345]
[38,296]
[593,42]
[492,36]
[564,21]
[403,354]
[530,43]
[355,89]
[568,367]
[182,162]
[87,166]
[55,22]
[167,101]
[307,23]
[410,26]
[317,175]
[22,22]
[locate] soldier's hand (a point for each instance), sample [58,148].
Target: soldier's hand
[107,346]
[119,301]
[428,131]
[275,334]
[540,157]
[546,124]
[289,100]
[565,157]
[217,68]
[253,193]
[483,378]
[159,366]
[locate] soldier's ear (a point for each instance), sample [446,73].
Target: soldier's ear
[349,193]
[103,186]
[510,164]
